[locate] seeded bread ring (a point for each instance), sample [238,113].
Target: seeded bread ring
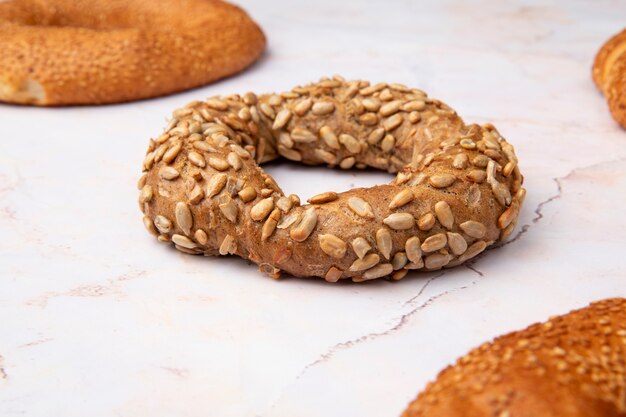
[609,75]
[458,187]
[59,52]
[568,366]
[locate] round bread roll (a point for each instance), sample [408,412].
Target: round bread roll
[458,187]
[61,52]
[609,74]
[569,366]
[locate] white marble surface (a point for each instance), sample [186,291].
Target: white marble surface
[98,319]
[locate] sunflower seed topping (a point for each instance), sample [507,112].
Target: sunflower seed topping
[361,207]
[400,221]
[332,245]
[384,242]
[366,263]
[304,229]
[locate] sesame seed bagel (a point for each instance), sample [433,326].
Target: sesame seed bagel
[609,74]
[458,187]
[61,52]
[569,366]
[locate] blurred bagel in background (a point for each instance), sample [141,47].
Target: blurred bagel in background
[64,52]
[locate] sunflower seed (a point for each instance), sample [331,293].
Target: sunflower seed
[146,194]
[366,263]
[426,222]
[216,184]
[196,195]
[508,169]
[322,108]
[460,161]
[403,197]
[384,242]
[473,229]
[501,192]
[473,250]
[301,135]
[262,209]
[183,241]
[508,216]
[387,143]
[228,245]
[333,274]
[347,163]
[284,204]
[332,245]
[247,194]
[201,236]
[168,173]
[149,225]
[304,229]
[270,225]
[367,91]
[390,108]
[352,145]
[228,208]
[414,117]
[184,218]
[477,176]
[371,103]
[282,118]
[392,122]
[162,224]
[216,103]
[267,110]
[322,198]
[434,242]
[436,260]
[368,119]
[234,161]
[172,153]
[360,247]
[361,207]
[457,243]
[480,161]
[400,221]
[378,271]
[399,260]
[197,159]
[444,214]
[292,218]
[302,107]
[376,136]
[218,163]
[467,143]
[326,156]
[329,137]
[415,105]
[413,249]
[441,180]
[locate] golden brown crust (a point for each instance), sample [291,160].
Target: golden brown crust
[458,189]
[609,74]
[59,52]
[570,366]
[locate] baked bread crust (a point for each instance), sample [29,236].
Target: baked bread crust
[609,74]
[569,366]
[62,52]
[457,191]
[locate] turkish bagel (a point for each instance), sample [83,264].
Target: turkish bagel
[458,187]
[61,52]
[569,366]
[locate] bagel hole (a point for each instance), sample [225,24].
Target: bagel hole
[306,181]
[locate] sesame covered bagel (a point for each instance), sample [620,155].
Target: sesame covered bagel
[458,187]
[569,366]
[60,52]
[609,74]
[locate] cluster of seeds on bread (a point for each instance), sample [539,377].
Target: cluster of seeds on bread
[204,191]
[581,353]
